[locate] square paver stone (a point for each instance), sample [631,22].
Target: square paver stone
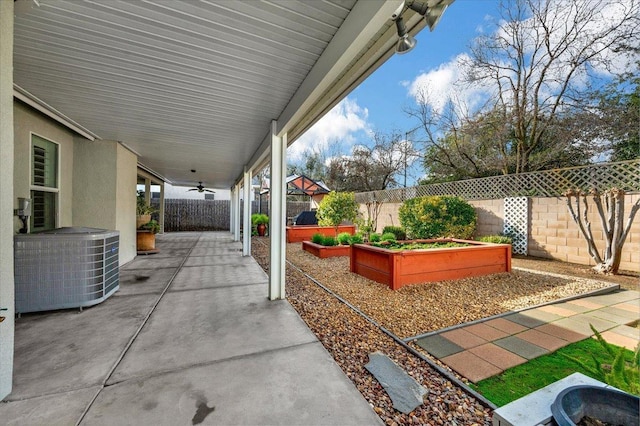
[486,332]
[498,356]
[521,347]
[543,340]
[471,366]
[525,320]
[463,338]
[561,332]
[557,310]
[439,346]
[620,340]
[629,306]
[506,325]
[625,330]
[541,315]
[586,303]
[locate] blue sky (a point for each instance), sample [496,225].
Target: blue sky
[377,104]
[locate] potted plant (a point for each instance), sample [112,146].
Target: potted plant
[146,236]
[260,221]
[143,210]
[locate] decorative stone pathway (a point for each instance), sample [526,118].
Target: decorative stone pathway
[484,349]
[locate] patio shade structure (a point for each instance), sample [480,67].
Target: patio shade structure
[218,86]
[302,185]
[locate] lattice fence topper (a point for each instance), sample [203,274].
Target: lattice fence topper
[549,183]
[516,220]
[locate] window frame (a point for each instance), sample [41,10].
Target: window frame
[32,187]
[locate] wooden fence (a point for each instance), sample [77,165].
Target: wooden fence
[210,215]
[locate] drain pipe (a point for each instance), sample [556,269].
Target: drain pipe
[443,372]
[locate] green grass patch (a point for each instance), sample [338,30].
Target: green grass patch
[523,379]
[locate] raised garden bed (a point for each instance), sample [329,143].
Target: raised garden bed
[298,233]
[397,268]
[323,252]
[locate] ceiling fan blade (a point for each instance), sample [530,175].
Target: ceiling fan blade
[192,189]
[208,190]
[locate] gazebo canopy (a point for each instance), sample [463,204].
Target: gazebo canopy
[302,185]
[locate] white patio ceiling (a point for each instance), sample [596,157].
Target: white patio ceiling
[195,84]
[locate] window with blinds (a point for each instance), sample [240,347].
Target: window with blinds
[44,183]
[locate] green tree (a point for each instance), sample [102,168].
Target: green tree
[337,207]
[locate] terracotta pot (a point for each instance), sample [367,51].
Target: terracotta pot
[142,219]
[261,228]
[145,240]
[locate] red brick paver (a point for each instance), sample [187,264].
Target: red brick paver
[484,331]
[498,356]
[561,332]
[463,338]
[507,326]
[471,366]
[543,340]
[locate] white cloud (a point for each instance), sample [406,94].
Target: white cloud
[341,124]
[442,84]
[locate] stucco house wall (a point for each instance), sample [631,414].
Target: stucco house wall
[97,179]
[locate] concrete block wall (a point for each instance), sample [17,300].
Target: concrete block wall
[552,232]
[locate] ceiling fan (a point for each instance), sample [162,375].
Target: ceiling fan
[201,188]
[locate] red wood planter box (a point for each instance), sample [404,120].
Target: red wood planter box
[298,233]
[400,268]
[324,251]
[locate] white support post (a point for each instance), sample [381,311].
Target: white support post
[246,235]
[236,214]
[232,193]
[161,213]
[277,212]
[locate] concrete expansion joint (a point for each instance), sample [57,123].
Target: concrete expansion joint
[160,373]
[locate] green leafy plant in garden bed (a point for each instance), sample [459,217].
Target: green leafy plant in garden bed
[395,230]
[399,245]
[438,216]
[537,373]
[343,238]
[496,239]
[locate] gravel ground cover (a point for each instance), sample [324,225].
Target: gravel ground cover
[349,339]
[414,310]
[417,309]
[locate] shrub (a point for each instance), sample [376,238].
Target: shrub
[375,238]
[329,241]
[337,207]
[389,236]
[344,238]
[259,219]
[356,238]
[317,238]
[497,239]
[395,230]
[438,216]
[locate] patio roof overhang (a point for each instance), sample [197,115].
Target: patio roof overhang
[196,85]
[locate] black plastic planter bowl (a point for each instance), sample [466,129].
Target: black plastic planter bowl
[607,405]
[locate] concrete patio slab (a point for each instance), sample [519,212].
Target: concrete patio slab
[463,338]
[285,387]
[573,307]
[557,310]
[223,259]
[192,278]
[586,303]
[547,341]
[485,332]
[542,315]
[500,357]
[151,262]
[216,251]
[521,347]
[618,297]
[63,408]
[628,306]
[170,252]
[623,315]
[580,324]
[144,281]
[192,327]
[66,350]
[471,366]
[438,346]
[625,330]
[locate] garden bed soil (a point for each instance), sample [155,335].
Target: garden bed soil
[398,268]
[299,233]
[324,252]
